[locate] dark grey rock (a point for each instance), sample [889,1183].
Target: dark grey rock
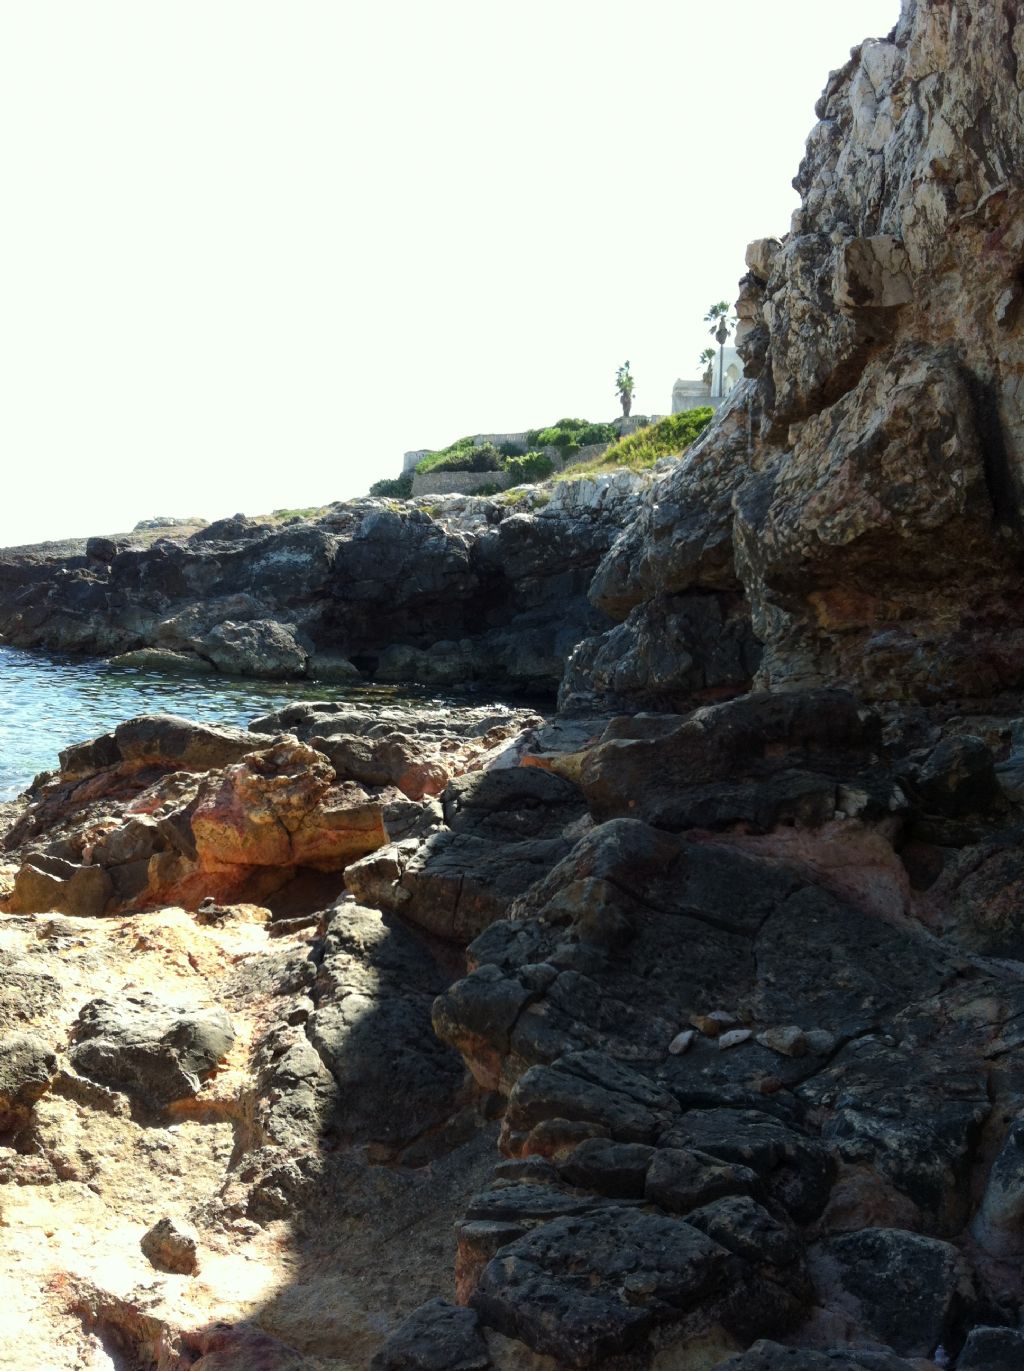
[618,1170]
[680,1180]
[766,1355]
[149,1047]
[512,804]
[911,1292]
[912,1113]
[957,778]
[181,744]
[437,1337]
[999,1223]
[745,1227]
[454,884]
[562,1288]
[588,1087]
[794,1169]
[27,1066]
[795,745]
[992,1349]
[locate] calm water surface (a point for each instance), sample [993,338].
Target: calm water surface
[48,702]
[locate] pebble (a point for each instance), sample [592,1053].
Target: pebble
[681,1042]
[788,1040]
[820,1041]
[734,1037]
[711,1025]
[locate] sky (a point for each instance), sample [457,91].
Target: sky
[254,251]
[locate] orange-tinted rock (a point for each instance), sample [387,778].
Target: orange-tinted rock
[247,816]
[347,824]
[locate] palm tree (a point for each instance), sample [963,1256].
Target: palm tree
[706,362]
[722,324]
[624,384]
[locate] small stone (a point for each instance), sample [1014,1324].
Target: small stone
[788,1040]
[820,1041]
[681,1042]
[172,1245]
[733,1038]
[711,1025]
[768,1085]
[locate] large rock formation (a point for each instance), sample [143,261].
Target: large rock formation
[453,590]
[861,497]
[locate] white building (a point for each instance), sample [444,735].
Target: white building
[726,372]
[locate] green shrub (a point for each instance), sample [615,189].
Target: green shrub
[434,459]
[398,489]
[485,458]
[534,466]
[569,435]
[511,449]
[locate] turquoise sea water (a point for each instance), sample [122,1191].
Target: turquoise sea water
[48,702]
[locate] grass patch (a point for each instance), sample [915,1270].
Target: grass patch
[518,495]
[286,516]
[669,437]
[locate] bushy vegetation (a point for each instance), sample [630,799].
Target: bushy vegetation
[463,455]
[669,437]
[569,435]
[400,488]
[532,466]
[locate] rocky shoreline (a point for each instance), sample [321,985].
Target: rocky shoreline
[679,1031]
[449,591]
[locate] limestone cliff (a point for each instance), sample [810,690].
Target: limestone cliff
[864,491]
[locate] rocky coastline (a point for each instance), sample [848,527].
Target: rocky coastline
[676,1029]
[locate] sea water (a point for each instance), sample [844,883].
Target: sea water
[47,703]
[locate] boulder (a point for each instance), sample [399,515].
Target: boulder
[261,647]
[436,1337]
[454,884]
[279,807]
[27,1067]
[162,660]
[151,1048]
[766,1355]
[569,1291]
[46,883]
[395,760]
[998,1226]
[795,746]
[176,743]
[992,1349]
[910,1292]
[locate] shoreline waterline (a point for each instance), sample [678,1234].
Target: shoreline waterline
[48,702]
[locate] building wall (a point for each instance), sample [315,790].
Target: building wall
[730,359]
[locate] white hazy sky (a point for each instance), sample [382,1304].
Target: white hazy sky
[253,251]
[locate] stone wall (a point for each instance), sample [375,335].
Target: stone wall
[458,482]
